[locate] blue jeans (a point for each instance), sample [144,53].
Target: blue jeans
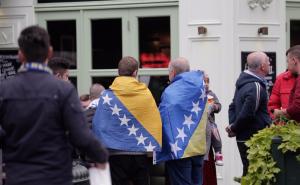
[187,171]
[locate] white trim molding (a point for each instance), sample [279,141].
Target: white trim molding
[199,23]
[264,4]
[258,23]
[94,5]
[204,38]
[259,38]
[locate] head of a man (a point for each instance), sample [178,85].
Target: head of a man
[34,45]
[178,66]
[293,59]
[258,63]
[60,67]
[95,91]
[85,100]
[128,66]
[206,82]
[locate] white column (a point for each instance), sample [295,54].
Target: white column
[232,27]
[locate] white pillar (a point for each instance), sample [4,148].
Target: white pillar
[232,27]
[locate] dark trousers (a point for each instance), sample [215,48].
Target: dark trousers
[187,171]
[209,170]
[243,153]
[129,169]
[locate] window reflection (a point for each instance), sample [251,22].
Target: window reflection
[63,40]
[154,42]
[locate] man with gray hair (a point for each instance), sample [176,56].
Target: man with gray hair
[184,119]
[248,111]
[178,66]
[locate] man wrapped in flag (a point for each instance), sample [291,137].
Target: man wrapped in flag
[184,117]
[128,122]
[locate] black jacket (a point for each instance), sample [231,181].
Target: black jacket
[40,116]
[248,110]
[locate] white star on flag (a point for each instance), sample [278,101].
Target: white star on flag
[175,148]
[115,110]
[181,134]
[141,139]
[132,130]
[203,94]
[196,108]
[188,121]
[150,148]
[106,99]
[124,120]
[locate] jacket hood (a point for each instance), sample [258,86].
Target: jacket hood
[246,78]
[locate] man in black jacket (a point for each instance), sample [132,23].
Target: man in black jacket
[248,111]
[41,116]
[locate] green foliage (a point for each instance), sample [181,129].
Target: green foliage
[262,168]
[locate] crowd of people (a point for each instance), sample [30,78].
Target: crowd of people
[42,118]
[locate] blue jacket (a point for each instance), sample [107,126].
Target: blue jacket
[248,110]
[36,112]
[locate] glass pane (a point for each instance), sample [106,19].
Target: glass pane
[156,84]
[295,32]
[63,39]
[105,81]
[154,42]
[73,80]
[106,43]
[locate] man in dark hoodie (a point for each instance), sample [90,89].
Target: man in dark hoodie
[248,111]
[36,112]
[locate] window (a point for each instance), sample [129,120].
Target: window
[64,40]
[154,42]
[95,40]
[106,43]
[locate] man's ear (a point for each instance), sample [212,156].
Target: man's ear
[134,74]
[50,53]
[21,56]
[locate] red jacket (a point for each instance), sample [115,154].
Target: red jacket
[281,91]
[293,109]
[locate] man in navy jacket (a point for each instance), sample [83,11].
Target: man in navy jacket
[248,111]
[40,117]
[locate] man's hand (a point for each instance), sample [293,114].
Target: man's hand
[278,112]
[229,131]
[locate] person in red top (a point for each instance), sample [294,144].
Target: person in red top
[284,83]
[293,109]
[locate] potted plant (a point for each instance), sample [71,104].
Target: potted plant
[263,169]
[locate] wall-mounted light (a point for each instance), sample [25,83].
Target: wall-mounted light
[263,30]
[202,30]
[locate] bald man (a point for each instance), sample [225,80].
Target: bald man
[248,111]
[95,93]
[178,112]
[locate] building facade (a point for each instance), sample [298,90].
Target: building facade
[214,35]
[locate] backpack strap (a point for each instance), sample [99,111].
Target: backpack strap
[258,89]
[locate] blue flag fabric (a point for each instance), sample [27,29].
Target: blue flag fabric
[122,124]
[184,117]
